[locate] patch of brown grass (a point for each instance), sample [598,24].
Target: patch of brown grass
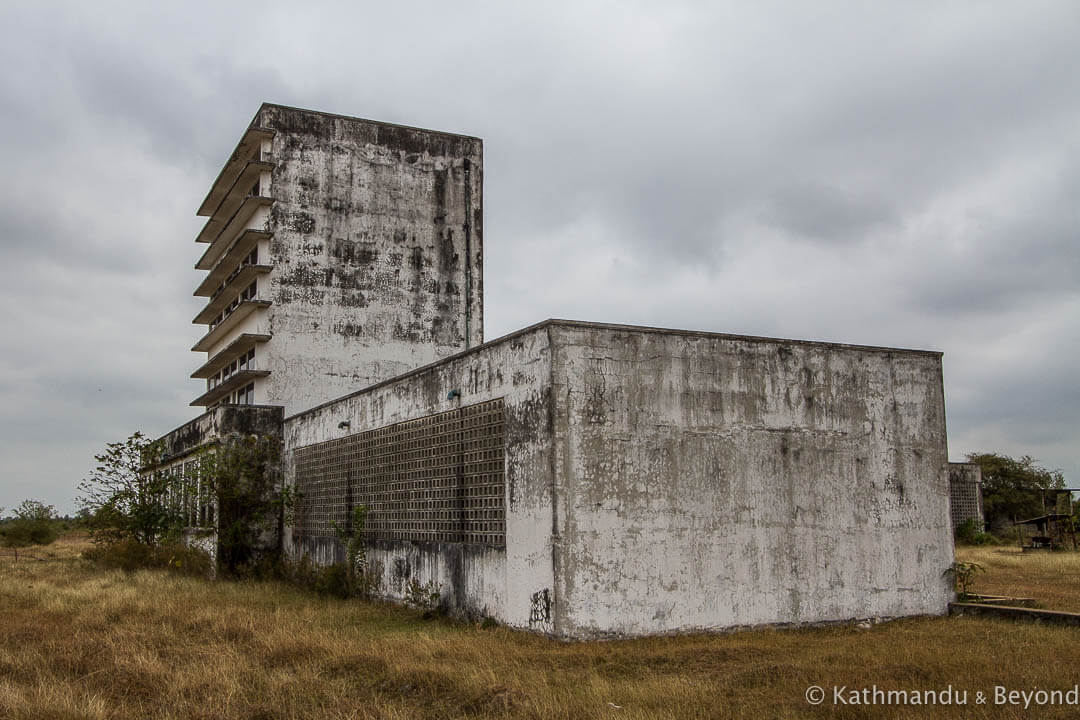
[1051,578]
[79,642]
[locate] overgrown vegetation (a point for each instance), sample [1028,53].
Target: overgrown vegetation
[241,473]
[121,503]
[34,523]
[1052,579]
[963,576]
[237,477]
[969,533]
[129,556]
[357,577]
[424,597]
[79,642]
[1013,488]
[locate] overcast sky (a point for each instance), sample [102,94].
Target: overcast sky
[904,175]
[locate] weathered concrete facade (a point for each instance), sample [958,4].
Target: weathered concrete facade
[341,252]
[572,478]
[222,421]
[179,459]
[965,494]
[663,480]
[475,579]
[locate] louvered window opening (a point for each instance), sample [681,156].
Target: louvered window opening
[435,479]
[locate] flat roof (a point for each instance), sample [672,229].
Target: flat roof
[353,118]
[580,324]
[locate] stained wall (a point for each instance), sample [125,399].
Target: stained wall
[710,481]
[476,580]
[662,480]
[377,253]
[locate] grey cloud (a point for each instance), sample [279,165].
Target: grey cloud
[39,234]
[1009,263]
[822,211]
[160,102]
[839,171]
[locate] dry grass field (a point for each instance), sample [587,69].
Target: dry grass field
[80,642]
[1051,578]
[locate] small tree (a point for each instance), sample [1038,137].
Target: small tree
[1013,488]
[33,524]
[360,577]
[241,474]
[120,502]
[963,575]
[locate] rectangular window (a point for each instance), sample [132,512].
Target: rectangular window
[248,293]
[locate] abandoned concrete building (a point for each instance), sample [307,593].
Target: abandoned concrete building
[579,479]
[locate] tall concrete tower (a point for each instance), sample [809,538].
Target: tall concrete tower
[340,252]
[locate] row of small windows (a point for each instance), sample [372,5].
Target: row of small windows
[243,396]
[240,364]
[251,259]
[248,293]
[187,494]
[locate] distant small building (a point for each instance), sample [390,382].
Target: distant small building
[579,479]
[1056,528]
[1048,532]
[965,495]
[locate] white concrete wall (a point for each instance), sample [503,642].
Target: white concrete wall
[257,322]
[477,580]
[710,481]
[205,540]
[369,254]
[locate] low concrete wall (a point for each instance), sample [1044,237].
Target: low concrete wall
[1022,614]
[476,580]
[217,423]
[661,481]
[707,481]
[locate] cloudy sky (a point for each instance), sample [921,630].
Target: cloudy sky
[902,174]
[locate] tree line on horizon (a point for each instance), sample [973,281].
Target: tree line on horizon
[117,501]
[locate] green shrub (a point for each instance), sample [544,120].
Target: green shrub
[966,531]
[970,532]
[963,576]
[423,596]
[34,524]
[333,580]
[130,555]
[330,580]
[363,578]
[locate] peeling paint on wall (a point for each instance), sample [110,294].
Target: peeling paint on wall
[368,252]
[669,481]
[652,480]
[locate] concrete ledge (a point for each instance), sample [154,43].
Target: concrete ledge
[1007,612]
[977,599]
